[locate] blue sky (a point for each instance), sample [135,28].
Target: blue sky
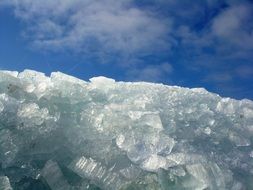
[200,43]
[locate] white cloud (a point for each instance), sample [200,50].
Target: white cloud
[203,33]
[151,73]
[92,26]
[234,25]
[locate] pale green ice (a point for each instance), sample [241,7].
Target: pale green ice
[62,133]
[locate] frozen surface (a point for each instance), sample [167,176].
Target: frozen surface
[62,133]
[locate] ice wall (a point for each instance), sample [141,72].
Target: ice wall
[62,133]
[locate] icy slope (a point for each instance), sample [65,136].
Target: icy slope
[63,133]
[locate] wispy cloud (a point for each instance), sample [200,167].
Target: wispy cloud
[92,26]
[234,25]
[151,73]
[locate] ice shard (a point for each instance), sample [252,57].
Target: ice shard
[97,173]
[5,183]
[59,132]
[54,177]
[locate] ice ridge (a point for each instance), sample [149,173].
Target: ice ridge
[62,133]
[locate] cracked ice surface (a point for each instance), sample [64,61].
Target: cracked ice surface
[62,133]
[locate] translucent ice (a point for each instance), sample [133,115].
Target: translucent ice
[97,173]
[54,177]
[60,132]
[5,183]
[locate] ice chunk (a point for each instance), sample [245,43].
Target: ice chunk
[226,106]
[101,82]
[12,73]
[178,171]
[120,140]
[248,113]
[61,78]
[35,82]
[207,131]
[30,110]
[239,140]
[131,172]
[134,115]
[30,88]
[5,183]
[153,163]
[177,159]
[97,173]
[152,120]
[139,152]
[32,75]
[54,177]
[165,144]
[31,113]
[200,174]
[207,176]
